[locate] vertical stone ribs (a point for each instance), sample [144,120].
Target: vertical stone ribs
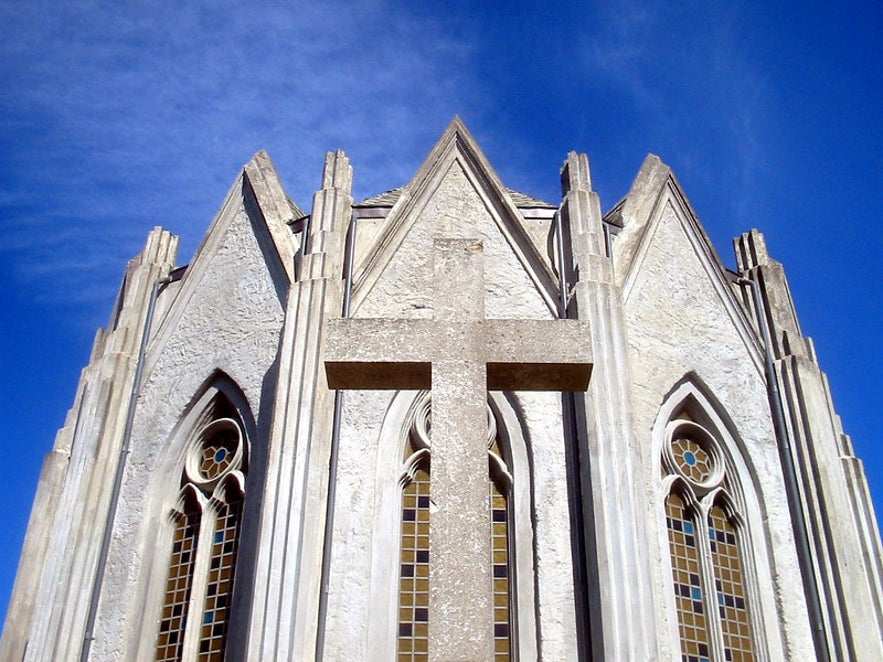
[286,593]
[845,541]
[609,462]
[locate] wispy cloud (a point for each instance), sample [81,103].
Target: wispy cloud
[121,117]
[682,70]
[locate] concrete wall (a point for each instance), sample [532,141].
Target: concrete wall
[225,320]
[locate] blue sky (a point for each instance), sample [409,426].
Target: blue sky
[116,117]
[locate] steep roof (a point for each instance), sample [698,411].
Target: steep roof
[389,198]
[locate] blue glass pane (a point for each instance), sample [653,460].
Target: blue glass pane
[220,455]
[208,617]
[690,459]
[688,528]
[697,593]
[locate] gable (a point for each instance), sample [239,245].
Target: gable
[662,240]
[682,317]
[678,292]
[454,194]
[227,310]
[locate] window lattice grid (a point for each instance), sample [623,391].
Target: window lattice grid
[500,565]
[413,633]
[217,454]
[687,575]
[219,590]
[174,614]
[730,586]
[693,460]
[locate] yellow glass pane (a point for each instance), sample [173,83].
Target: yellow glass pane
[219,592]
[500,569]
[414,569]
[177,596]
[688,586]
[730,599]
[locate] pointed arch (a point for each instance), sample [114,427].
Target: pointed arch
[404,463]
[198,539]
[710,506]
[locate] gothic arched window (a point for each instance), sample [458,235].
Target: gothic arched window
[206,526]
[414,563]
[500,483]
[186,519]
[707,547]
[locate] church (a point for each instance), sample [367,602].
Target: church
[451,422]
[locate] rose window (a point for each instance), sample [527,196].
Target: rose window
[217,451]
[692,460]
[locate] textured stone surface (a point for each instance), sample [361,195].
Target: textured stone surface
[229,275]
[682,323]
[459,343]
[668,328]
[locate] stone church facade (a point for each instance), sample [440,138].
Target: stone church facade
[451,422]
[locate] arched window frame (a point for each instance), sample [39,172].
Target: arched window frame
[733,486]
[218,404]
[391,475]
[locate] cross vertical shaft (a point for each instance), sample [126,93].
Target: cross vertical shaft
[459,355]
[460,589]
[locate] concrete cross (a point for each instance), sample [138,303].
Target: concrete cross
[460,355]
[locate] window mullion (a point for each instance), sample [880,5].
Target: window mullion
[195,607]
[709,587]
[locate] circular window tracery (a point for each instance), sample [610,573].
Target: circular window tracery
[692,460]
[692,454]
[216,451]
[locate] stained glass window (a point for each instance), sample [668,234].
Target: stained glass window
[413,635]
[710,597]
[174,613]
[500,560]
[687,576]
[730,587]
[219,590]
[217,455]
[413,616]
[693,460]
[199,611]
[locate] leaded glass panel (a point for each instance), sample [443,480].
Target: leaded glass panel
[413,633]
[219,591]
[500,560]
[687,575]
[173,621]
[730,586]
[692,459]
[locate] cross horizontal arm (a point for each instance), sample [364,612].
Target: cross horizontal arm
[378,353]
[521,355]
[537,355]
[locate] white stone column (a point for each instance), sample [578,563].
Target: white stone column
[288,568]
[621,607]
[845,546]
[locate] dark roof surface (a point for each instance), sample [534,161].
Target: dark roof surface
[389,198]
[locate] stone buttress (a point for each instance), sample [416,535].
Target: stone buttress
[286,593]
[847,557]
